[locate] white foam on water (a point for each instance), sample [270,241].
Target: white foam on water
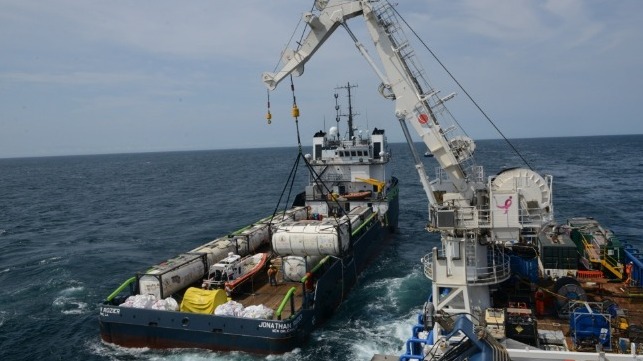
[101,348]
[4,315]
[70,306]
[68,303]
[295,354]
[387,337]
[72,290]
[50,260]
[114,352]
[391,290]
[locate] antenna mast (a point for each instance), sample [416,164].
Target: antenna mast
[350,108]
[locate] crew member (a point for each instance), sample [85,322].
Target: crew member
[272,275]
[628,273]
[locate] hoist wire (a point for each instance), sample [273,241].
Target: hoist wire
[293,171]
[303,32]
[459,85]
[287,45]
[291,181]
[294,105]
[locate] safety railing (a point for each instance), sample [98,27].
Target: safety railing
[473,217]
[288,297]
[497,270]
[120,289]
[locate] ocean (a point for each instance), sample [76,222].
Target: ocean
[73,228]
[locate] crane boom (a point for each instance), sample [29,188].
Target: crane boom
[321,28]
[415,101]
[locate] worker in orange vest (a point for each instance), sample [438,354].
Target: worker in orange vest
[628,272]
[272,275]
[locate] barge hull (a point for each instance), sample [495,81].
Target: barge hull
[133,327]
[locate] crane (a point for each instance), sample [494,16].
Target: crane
[476,217]
[377,183]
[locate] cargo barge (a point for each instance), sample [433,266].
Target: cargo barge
[318,247]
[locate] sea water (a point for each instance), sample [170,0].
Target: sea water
[72,229]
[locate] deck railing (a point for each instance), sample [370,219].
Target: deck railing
[497,271]
[473,217]
[120,289]
[288,297]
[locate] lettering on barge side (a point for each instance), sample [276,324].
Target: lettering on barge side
[106,311]
[281,327]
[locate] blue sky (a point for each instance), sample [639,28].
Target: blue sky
[88,77]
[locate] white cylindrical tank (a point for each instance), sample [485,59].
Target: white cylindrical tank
[311,238]
[294,268]
[218,249]
[172,275]
[254,237]
[293,214]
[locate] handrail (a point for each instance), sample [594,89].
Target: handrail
[314,269]
[288,295]
[475,275]
[612,264]
[120,289]
[367,221]
[589,246]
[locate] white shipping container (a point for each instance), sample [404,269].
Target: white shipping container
[311,238]
[174,275]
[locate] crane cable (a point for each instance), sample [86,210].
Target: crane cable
[293,171]
[268,115]
[460,86]
[295,112]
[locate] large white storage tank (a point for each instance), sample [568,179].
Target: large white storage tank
[311,238]
[218,249]
[294,268]
[252,238]
[172,275]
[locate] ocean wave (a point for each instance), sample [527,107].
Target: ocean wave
[100,348]
[383,337]
[70,306]
[4,315]
[72,290]
[50,260]
[118,218]
[68,303]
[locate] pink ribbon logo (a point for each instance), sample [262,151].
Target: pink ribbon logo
[507,205]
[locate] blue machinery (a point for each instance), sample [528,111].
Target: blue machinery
[635,256]
[476,345]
